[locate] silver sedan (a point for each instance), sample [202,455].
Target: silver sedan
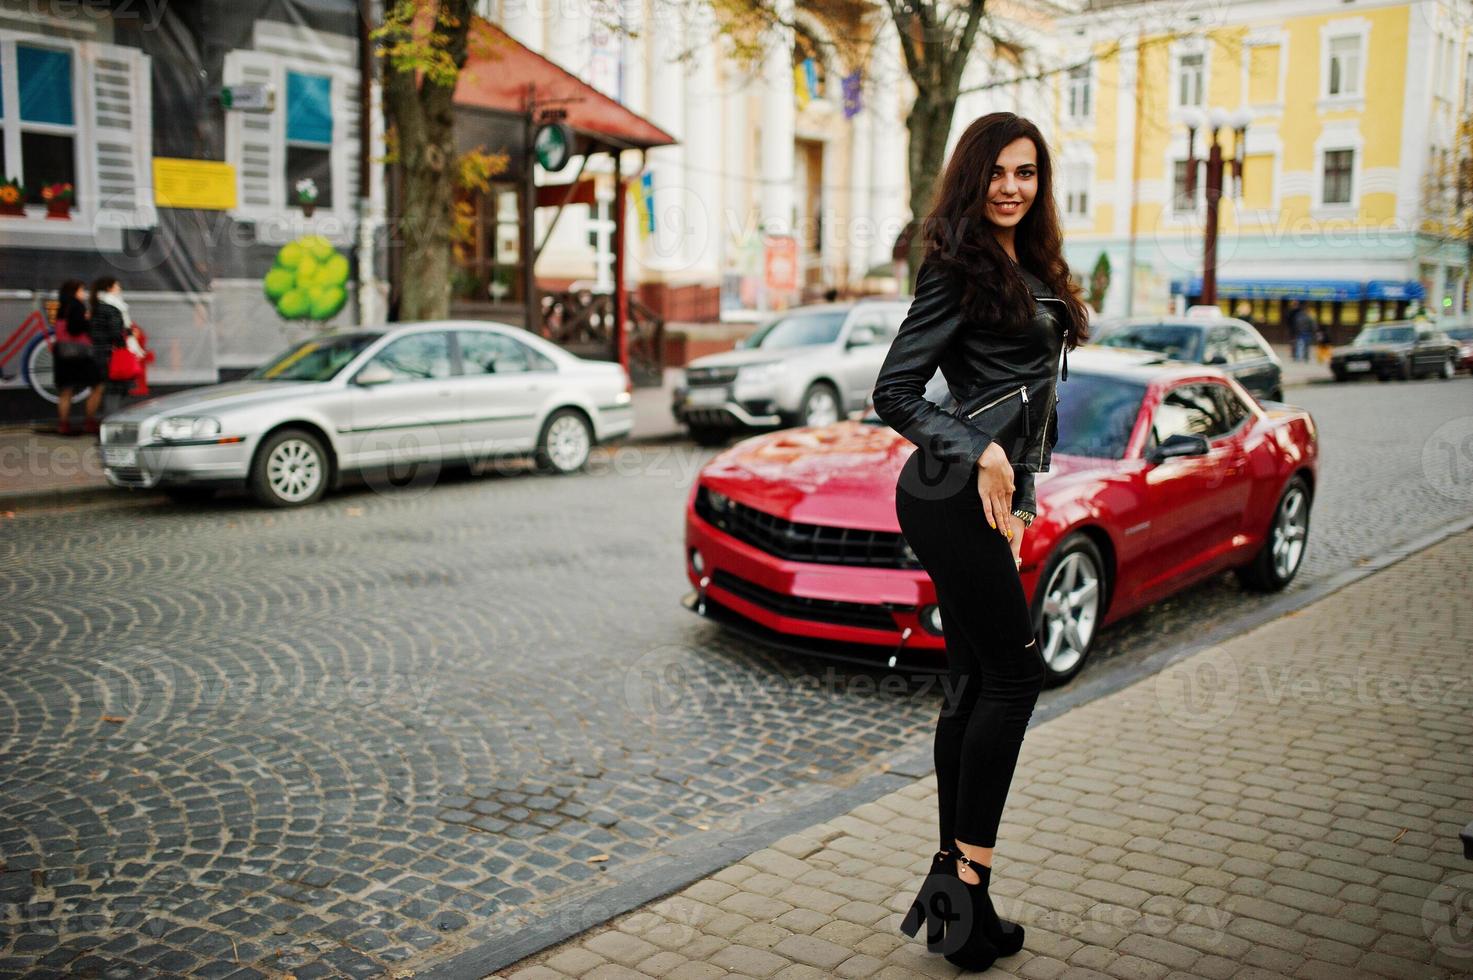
[369,400]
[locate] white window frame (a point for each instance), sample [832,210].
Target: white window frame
[1359,29]
[1266,39]
[282,218]
[99,227]
[1199,199]
[1324,177]
[1070,83]
[1180,48]
[1343,136]
[1179,80]
[1078,180]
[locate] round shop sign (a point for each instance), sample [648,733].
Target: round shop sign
[553,145]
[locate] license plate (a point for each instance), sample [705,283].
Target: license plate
[1358,366]
[119,456]
[706,396]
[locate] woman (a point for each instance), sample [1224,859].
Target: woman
[75,365]
[994,308]
[110,328]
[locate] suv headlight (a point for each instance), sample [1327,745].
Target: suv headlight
[187,427]
[768,371]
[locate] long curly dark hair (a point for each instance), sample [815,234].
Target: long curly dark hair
[958,235]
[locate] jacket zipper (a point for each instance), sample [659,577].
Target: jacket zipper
[1043,440]
[1022,390]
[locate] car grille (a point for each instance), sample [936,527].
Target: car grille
[710,375]
[120,433]
[858,614]
[816,543]
[129,474]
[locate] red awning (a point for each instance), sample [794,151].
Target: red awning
[499,70]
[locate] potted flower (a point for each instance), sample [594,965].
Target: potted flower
[58,198]
[12,197]
[307,195]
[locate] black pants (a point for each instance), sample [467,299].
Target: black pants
[996,669]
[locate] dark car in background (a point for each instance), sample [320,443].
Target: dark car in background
[1461,331]
[1203,337]
[1401,349]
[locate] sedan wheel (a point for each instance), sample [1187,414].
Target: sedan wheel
[1278,561]
[1070,603]
[1448,369]
[820,405]
[290,469]
[565,444]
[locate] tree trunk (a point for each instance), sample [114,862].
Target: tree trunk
[929,124]
[425,227]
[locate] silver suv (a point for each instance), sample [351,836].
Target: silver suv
[812,365]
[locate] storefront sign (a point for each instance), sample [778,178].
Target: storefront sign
[208,185]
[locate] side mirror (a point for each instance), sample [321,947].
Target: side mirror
[862,336]
[1179,444]
[1215,359]
[372,374]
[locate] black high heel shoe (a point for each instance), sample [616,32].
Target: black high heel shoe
[936,903]
[1003,935]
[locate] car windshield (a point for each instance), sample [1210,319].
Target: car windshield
[1177,341]
[799,330]
[1460,333]
[1097,414]
[319,359]
[1385,335]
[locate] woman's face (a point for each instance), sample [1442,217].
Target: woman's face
[80,293]
[116,287]
[1013,184]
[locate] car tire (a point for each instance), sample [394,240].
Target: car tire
[1339,376]
[291,469]
[709,435]
[1405,372]
[190,495]
[565,443]
[1070,597]
[1277,395]
[1284,543]
[1449,369]
[820,396]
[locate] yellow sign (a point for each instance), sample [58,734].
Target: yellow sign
[205,184]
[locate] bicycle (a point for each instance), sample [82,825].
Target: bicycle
[32,346]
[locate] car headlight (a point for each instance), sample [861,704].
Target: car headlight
[719,501]
[761,372]
[187,427]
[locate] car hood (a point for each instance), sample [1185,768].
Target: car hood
[736,358]
[217,398]
[840,475]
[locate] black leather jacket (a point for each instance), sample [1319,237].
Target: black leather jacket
[975,359]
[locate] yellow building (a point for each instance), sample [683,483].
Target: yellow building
[1350,111]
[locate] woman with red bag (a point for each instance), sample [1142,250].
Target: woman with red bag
[75,365]
[111,331]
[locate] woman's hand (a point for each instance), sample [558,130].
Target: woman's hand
[995,487]
[1015,523]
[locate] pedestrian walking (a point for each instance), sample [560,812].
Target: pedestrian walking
[1302,326]
[995,309]
[75,367]
[1322,343]
[111,332]
[1244,311]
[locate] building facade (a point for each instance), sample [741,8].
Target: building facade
[789,177]
[1352,114]
[188,135]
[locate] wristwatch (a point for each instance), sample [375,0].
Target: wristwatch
[1025,517]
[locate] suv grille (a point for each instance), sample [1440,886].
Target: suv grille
[710,375]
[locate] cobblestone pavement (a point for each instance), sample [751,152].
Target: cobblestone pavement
[393,726]
[1286,803]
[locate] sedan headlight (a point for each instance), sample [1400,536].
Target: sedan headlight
[187,427]
[758,373]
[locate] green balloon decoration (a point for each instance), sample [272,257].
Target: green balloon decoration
[309,280]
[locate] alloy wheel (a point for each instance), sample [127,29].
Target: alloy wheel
[820,408]
[567,442]
[294,470]
[1071,607]
[1291,529]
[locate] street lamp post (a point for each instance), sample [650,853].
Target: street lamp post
[1213,121]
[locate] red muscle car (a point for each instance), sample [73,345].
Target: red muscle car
[1165,473]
